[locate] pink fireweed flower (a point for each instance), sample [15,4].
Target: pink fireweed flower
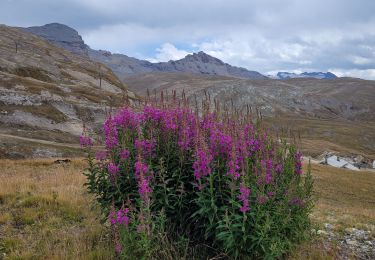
[220,143]
[145,146]
[184,138]
[112,216]
[233,168]
[143,176]
[253,145]
[153,114]
[244,197]
[262,199]
[268,165]
[209,121]
[127,118]
[267,179]
[144,188]
[124,154]
[100,155]
[113,170]
[140,168]
[248,129]
[169,120]
[298,163]
[279,168]
[118,247]
[110,132]
[201,165]
[85,141]
[296,202]
[122,217]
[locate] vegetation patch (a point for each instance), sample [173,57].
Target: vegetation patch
[45,110]
[33,72]
[198,178]
[44,214]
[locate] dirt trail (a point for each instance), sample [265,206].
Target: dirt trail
[40,141]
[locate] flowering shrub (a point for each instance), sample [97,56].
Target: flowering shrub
[214,179]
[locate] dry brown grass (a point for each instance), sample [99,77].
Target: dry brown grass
[338,135]
[45,212]
[345,197]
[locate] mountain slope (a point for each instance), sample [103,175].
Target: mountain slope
[310,97]
[48,93]
[202,63]
[123,66]
[328,112]
[316,75]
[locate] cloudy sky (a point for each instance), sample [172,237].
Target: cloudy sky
[262,35]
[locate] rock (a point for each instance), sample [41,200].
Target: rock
[351,242]
[328,226]
[322,232]
[62,161]
[361,234]
[359,159]
[62,36]
[350,230]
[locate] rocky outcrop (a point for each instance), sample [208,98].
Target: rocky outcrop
[62,36]
[48,93]
[352,242]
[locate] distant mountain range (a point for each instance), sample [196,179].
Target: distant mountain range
[49,88]
[124,66]
[316,75]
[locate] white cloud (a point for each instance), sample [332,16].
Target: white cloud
[356,73]
[124,37]
[259,35]
[169,52]
[358,60]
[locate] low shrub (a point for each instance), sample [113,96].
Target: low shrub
[203,178]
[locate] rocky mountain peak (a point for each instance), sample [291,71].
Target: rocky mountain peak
[203,58]
[123,66]
[62,36]
[316,75]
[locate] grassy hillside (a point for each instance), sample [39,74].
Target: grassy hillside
[51,94]
[336,114]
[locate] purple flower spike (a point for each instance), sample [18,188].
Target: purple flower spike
[244,198]
[298,163]
[85,141]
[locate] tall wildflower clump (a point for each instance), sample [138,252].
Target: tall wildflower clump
[212,178]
